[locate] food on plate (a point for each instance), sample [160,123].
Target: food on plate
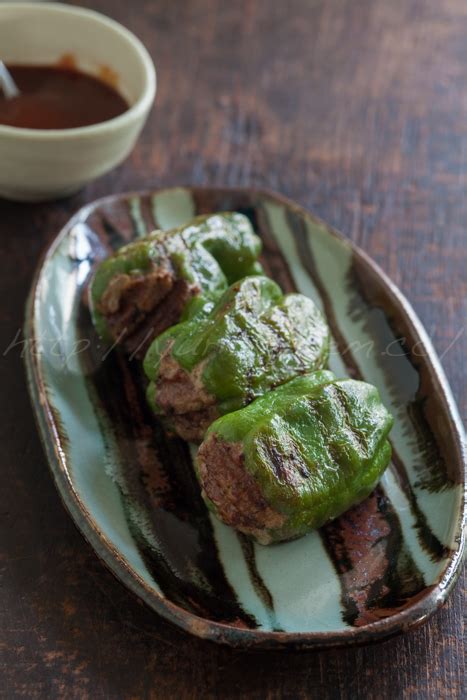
[252,340]
[153,283]
[296,457]
[286,446]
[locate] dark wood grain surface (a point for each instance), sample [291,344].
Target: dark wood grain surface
[355,108]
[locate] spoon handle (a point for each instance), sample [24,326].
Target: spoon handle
[7,84]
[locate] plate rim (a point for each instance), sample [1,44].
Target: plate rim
[412,616]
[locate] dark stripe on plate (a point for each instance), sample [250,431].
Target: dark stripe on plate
[428,540]
[273,260]
[377,573]
[432,474]
[401,363]
[159,490]
[115,236]
[262,591]
[301,235]
[147,212]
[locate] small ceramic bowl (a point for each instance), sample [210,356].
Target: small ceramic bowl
[40,164]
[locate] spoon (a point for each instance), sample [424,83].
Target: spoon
[7,84]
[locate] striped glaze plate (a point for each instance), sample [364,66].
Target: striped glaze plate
[381,568]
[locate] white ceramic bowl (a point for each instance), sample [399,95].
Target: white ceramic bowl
[40,164]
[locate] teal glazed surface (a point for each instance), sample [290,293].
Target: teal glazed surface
[379,569]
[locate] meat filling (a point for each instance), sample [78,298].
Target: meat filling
[192,426]
[234,492]
[183,399]
[138,308]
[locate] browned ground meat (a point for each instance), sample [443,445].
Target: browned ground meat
[139,308]
[192,426]
[233,490]
[182,398]
[179,391]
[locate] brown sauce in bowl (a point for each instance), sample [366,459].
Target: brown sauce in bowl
[54,97]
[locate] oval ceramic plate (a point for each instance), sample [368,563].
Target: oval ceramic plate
[381,568]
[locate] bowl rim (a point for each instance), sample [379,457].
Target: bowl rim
[134,112]
[430,600]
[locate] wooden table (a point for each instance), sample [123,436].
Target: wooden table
[356,109]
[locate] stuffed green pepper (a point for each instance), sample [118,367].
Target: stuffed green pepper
[253,339]
[153,283]
[296,457]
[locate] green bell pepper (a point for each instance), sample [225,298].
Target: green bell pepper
[296,457]
[150,284]
[253,339]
